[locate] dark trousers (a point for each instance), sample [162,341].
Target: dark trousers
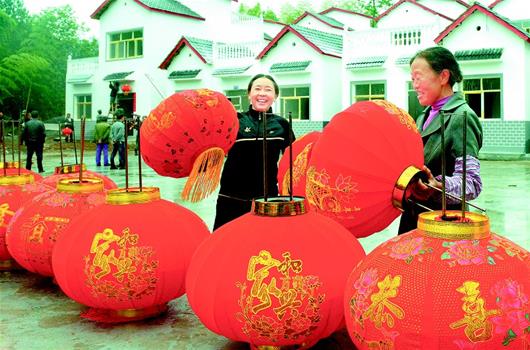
[118,147]
[228,209]
[37,148]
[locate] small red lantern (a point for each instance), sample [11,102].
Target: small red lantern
[32,233]
[72,172]
[188,134]
[446,285]
[13,168]
[126,88]
[361,165]
[128,257]
[302,149]
[283,286]
[15,190]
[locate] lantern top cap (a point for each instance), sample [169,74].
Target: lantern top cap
[453,226]
[132,195]
[9,165]
[87,185]
[19,180]
[279,206]
[69,169]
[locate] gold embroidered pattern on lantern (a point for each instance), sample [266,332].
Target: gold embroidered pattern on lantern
[475,320]
[281,303]
[299,168]
[4,211]
[202,99]
[154,124]
[377,311]
[117,268]
[335,198]
[403,116]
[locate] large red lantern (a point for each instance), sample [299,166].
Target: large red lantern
[302,148]
[72,172]
[446,285]
[33,231]
[128,257]
[13,168]
[188,134]
[361,165]
[274,277]
[126,88]
[15,190]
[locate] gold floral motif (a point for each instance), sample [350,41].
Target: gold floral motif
[278,285]
[401,114]
[202,99]
[4,211]
[377,311]
[299,168]
[336,198]
[117,268]
[477,326]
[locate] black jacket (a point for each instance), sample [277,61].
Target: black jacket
[34,131]
[243,170]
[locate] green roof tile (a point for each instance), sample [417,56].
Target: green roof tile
[230,71]
[117,76]
[328,43]
[366,62]
[289,67]
[79,79]
[171,6]
[184,74]
[403,60]
[204,47]
[479,54]
[328,20]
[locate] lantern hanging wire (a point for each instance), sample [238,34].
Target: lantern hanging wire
[290,156]
[13,141]
[265,167]
[19,144]
[75,147]
[60,143]
[3,146]
[83,123]
[126,156]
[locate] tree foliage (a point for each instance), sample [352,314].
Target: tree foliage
[33,56]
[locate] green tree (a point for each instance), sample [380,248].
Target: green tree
[270,15]
[255,11]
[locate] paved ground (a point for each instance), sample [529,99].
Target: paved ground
[34,314]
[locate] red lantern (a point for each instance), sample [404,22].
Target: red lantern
[126,88]
[32,234]
[302,149]
[128,257]
[446,285]
[273,281]
[361,165]
[13,168]
[72,172]
[15,190]
[188,134]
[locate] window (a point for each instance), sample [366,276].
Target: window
[368,91]
[484,96]
[415,109]
[239,99]
[83,106]
[296,101]
[126,45]
[407,37]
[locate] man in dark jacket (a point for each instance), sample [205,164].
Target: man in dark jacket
[33,135]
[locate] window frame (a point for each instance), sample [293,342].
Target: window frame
[83,105]
[353,84]
[124,45]
[481,92]
[284,99]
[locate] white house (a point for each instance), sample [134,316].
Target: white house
[323,62]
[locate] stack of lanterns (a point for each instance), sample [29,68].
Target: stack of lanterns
[449,284]
[127,258]
[72,172]
[13,168]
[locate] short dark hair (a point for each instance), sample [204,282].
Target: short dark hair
[261,75]
[34,114]
[440,58]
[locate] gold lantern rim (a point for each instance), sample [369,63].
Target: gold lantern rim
[87,185]
[132,195]
[472,226]
[69,169]
[400,187]
[9,165]
[19,180]
[279,206]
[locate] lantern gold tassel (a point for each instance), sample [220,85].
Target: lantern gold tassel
[205,175]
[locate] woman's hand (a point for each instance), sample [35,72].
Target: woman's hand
[420,190]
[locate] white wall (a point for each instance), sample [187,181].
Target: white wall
[351,20]
[449,8]
[311,22]
[513,9]
[408,14]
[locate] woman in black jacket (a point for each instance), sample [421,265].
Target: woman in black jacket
[242,178]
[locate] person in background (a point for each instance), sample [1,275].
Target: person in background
[117,136]
[101,138]
[114,87]
[242,178]
[34,135]
[69,123]
[434,72]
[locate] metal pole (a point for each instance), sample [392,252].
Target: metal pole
[442,131]
[291,156]
[265,182]
[464,165]
[126,156]
[60,143]
[139,154]
[82,148]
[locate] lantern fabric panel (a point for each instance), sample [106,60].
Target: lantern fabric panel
[302,149]
[417,291]
[358,160]
[281,287]
[130,256]
[32,235]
